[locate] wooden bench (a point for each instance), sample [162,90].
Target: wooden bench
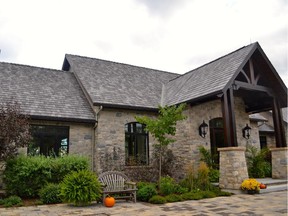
[115,182]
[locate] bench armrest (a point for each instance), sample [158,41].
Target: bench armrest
[131,185]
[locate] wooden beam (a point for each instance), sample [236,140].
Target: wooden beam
[278,125]
[251,87]
[228,114]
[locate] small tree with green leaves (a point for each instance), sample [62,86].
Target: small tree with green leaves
[163,126]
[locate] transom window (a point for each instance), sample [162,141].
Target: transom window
[136,144]
[49,140]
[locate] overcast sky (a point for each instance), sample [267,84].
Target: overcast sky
[170,35]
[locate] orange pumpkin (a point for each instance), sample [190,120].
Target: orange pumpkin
[262,186]
[109,201]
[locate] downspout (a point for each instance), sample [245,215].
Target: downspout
[94,138]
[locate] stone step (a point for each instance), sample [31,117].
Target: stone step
[274,188]
[270,181]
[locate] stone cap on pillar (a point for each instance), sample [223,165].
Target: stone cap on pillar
[237,148]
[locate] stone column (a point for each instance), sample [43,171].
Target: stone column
[279,162]
[233,167]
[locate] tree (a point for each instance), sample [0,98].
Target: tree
[163,126]
[14,130]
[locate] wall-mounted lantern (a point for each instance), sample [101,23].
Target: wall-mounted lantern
[203,128]
[246,131]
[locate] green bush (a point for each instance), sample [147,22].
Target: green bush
[50,194]
[214,175]
[157,200]
[167,186]
[146,192]
[62,166]
[25,176]
[208,194]
[258,164]
[173,198]
[192,196]
[80,188]
[11,201]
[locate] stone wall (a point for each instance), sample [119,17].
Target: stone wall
[279,162]
[110,137]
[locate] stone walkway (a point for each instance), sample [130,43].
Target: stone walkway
[274,203]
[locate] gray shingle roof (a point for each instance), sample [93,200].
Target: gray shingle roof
[44,92]
[117,84]
[209,79]
[257,117]
[266,128]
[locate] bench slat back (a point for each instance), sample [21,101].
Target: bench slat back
[113,180]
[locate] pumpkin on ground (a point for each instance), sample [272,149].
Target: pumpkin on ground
[109,201]
[262,186]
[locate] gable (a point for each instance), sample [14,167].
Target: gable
[44,93]
[207,81]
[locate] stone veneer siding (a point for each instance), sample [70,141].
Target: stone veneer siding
[233,169]
[279,162]
[110,137]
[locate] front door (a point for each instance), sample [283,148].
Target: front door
[216,138]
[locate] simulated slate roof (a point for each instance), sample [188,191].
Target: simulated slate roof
[266,128]
[208,79]
[257,117]
[44,93]
[116,84]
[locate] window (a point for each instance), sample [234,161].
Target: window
[263,142]
[49,140]
[136,144]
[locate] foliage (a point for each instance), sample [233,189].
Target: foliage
[14,130]
[257,163]
[250,184]
[169,186]
[208,194]
[189,180]
[11,201]
[50,194]
[157,200]
[210,160]
[173,198]
[25,176]
[192,196]
[144,193]
[214,175]
[163,125]
[80,188]
[203,182]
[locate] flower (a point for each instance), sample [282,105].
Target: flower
[250,184]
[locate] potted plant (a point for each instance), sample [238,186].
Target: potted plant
[250,185]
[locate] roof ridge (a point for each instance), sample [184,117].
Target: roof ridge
[92,58]
[191,71]
[31,66]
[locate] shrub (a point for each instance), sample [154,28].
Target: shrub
[214,175]
[11,201]
[173,198]
[157,200]
[50,194]
[80,188]
[258,164]
[146,192]
[62,166]
[192,196]
[203,177]
[167,186]
[208,194]
[25,176]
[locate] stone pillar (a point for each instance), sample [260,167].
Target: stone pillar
[233,167]
[279,162]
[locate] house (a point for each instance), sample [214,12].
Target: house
[89,108]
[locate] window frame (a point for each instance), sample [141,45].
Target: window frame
[134,134]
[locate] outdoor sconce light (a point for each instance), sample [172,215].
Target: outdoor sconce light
[246,131]
[203,129]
